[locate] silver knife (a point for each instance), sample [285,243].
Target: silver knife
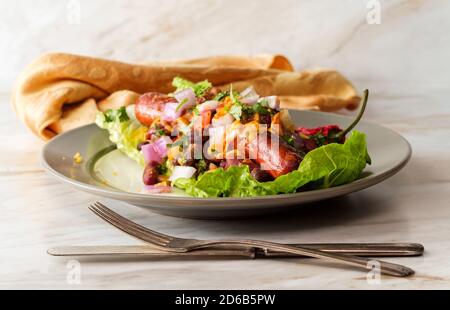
[358,249]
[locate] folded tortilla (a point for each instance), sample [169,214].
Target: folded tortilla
[58,92]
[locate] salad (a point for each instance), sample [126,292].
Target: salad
[212,142]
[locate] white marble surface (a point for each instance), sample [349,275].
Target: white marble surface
[403,60]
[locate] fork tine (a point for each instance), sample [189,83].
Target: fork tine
[119,217]
[127,229]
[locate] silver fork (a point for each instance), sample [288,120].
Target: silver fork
[174,244]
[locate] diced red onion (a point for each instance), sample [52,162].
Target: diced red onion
[246,91]
[187,97]
[156,151]
[250,100]
[209,105]
[173,110]
[182,172]
[232,162]
[225,120]
[170,112]
[249,96]
[156,189]
[273,102]
[166,140]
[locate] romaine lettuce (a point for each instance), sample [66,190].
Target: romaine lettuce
[329,165]
[125,133]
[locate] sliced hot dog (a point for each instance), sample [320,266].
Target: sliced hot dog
[276,161]
[149,106]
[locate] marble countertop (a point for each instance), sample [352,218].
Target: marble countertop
[403,61]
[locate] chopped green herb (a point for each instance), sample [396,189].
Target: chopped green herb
[160,132]
[236,111]
[234,95]
[244,111]
[122,114]
[119,114]
[320,139]
[263,102]
[237,107]
[181,104]
[289,140]
[180,142]
[221,95]
[109,116]
[261,109]
[162,168]
[202,166]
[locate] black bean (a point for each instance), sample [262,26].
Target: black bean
[150,175]
[211,93]
[261,175]
[264,119]
[140,144]
[310,145]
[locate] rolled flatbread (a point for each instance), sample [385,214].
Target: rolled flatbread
[58,92]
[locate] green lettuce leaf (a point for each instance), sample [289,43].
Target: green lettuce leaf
[236,181]
[198,88]
[125,133]
[329,165]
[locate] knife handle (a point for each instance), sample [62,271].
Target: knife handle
[357,249]
[103,250]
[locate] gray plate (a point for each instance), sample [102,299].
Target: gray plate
[108,173]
